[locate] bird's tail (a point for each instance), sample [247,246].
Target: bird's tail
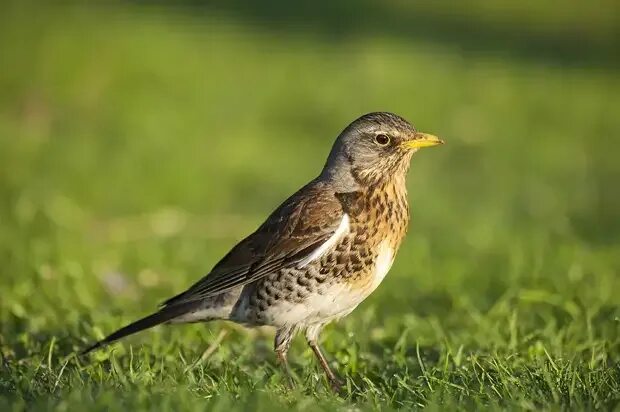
[164,315]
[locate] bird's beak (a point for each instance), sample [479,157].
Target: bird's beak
[422,140]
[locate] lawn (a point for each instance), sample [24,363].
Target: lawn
[138,144]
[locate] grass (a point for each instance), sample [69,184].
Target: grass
[137,146]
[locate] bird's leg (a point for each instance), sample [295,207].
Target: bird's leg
[334,382]
[312,336]
[282,359]
[284,336]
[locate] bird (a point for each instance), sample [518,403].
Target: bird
[320,253]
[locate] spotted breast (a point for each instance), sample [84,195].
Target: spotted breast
[343,271]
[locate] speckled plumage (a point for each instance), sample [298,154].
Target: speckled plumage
[322,252]
[375,218]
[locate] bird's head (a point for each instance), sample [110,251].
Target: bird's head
[375,147]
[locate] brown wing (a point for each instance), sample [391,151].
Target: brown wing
[293,231]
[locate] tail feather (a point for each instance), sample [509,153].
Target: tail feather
[164,315]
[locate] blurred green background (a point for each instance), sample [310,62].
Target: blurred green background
[139,142]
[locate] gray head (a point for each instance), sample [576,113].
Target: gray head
[375,147]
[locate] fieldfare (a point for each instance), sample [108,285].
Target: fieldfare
[319,254]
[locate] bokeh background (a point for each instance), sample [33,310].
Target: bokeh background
[139,142]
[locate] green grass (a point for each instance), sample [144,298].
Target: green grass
[137,146]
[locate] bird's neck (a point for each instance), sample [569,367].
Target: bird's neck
[394,189]
[343,177]
[338,173]
[389,197]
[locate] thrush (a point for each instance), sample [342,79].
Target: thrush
[320,253]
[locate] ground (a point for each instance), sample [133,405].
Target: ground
[137,145]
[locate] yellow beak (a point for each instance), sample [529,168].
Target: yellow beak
[422,140]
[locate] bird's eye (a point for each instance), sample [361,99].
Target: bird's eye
[382,139]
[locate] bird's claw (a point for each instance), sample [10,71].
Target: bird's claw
[336,385]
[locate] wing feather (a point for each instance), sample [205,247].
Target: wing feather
[291,234]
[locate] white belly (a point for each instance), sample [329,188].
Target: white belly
[332,303]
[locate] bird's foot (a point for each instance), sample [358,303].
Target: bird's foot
[335,384]
[290,381]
